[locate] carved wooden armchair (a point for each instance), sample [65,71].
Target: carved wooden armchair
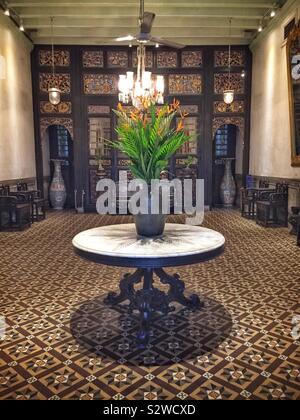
[272,207]
[38,204]
[15,213]
[248,199]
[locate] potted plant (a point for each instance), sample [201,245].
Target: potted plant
[189,162]
[148,137]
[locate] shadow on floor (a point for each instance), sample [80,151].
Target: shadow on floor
[109,333]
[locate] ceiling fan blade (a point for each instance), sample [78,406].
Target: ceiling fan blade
[125,38]
[166,42]
[147,22]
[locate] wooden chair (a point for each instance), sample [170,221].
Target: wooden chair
[248,198]
[38,207]
[15,213]
[272,207]
[38,204]
[293,219]
[4,190]
[263,183]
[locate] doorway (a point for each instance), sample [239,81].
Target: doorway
[224,146]
[58,144]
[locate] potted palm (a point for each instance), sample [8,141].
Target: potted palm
[149,138]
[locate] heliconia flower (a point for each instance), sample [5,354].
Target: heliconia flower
[120,107]
[180,126]
[134,116]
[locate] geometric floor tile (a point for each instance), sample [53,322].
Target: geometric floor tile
[62,341]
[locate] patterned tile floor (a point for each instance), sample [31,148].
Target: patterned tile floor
[61,342]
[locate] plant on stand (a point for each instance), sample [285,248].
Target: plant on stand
[189,162]
[149,138]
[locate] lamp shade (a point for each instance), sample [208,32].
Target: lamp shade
[228,96]
[54,96]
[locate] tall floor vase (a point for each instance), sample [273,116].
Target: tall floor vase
[58,194]
[228,186]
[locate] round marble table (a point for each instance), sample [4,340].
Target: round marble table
[118,245]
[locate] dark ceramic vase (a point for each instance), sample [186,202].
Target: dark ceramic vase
[149,225]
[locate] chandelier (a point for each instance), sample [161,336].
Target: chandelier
[142,89]
[228,94]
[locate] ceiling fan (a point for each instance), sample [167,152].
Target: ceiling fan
[144,36]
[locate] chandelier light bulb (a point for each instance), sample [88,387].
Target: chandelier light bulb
[273,13]
[260,28]
[228,96]
[6,12]
[21,27]
[54,96]
[141,89]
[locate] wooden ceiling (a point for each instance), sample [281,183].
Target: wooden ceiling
[191,22]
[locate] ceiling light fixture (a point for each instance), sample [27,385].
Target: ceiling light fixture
[260,28]
[54,92]
[141,90]
[273,13]
[6,12]
[228,94]
[21,27]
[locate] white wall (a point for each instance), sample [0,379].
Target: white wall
[17,154]
[270,144]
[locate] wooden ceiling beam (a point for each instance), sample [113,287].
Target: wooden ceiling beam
[263,4]
[107,41]
[162,32]
[96,12]
[132,23]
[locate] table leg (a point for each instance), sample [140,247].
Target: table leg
[176,291]
[149,299]
[127,291]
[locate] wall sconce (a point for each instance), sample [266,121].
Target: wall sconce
[2,67]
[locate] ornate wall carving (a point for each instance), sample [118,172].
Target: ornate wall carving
[61,80]
[222,58]
[191,59]
[61,58]
[190,109]
[92,59]
[167,59]
[221,82]
[149,59]
[124,162]
[238,121]
[100,84]
[65,122]
[236,107]
[98,109]
[117,59]
[185,84]
[62,108]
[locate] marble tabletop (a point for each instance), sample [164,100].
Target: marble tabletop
[178,240]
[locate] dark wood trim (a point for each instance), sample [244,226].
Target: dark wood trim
[205,102]
[15,181]
[149,262]
[293,183]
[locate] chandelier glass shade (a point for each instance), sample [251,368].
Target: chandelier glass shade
[228,94]
[142,89]
[54,96]
[54,92]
